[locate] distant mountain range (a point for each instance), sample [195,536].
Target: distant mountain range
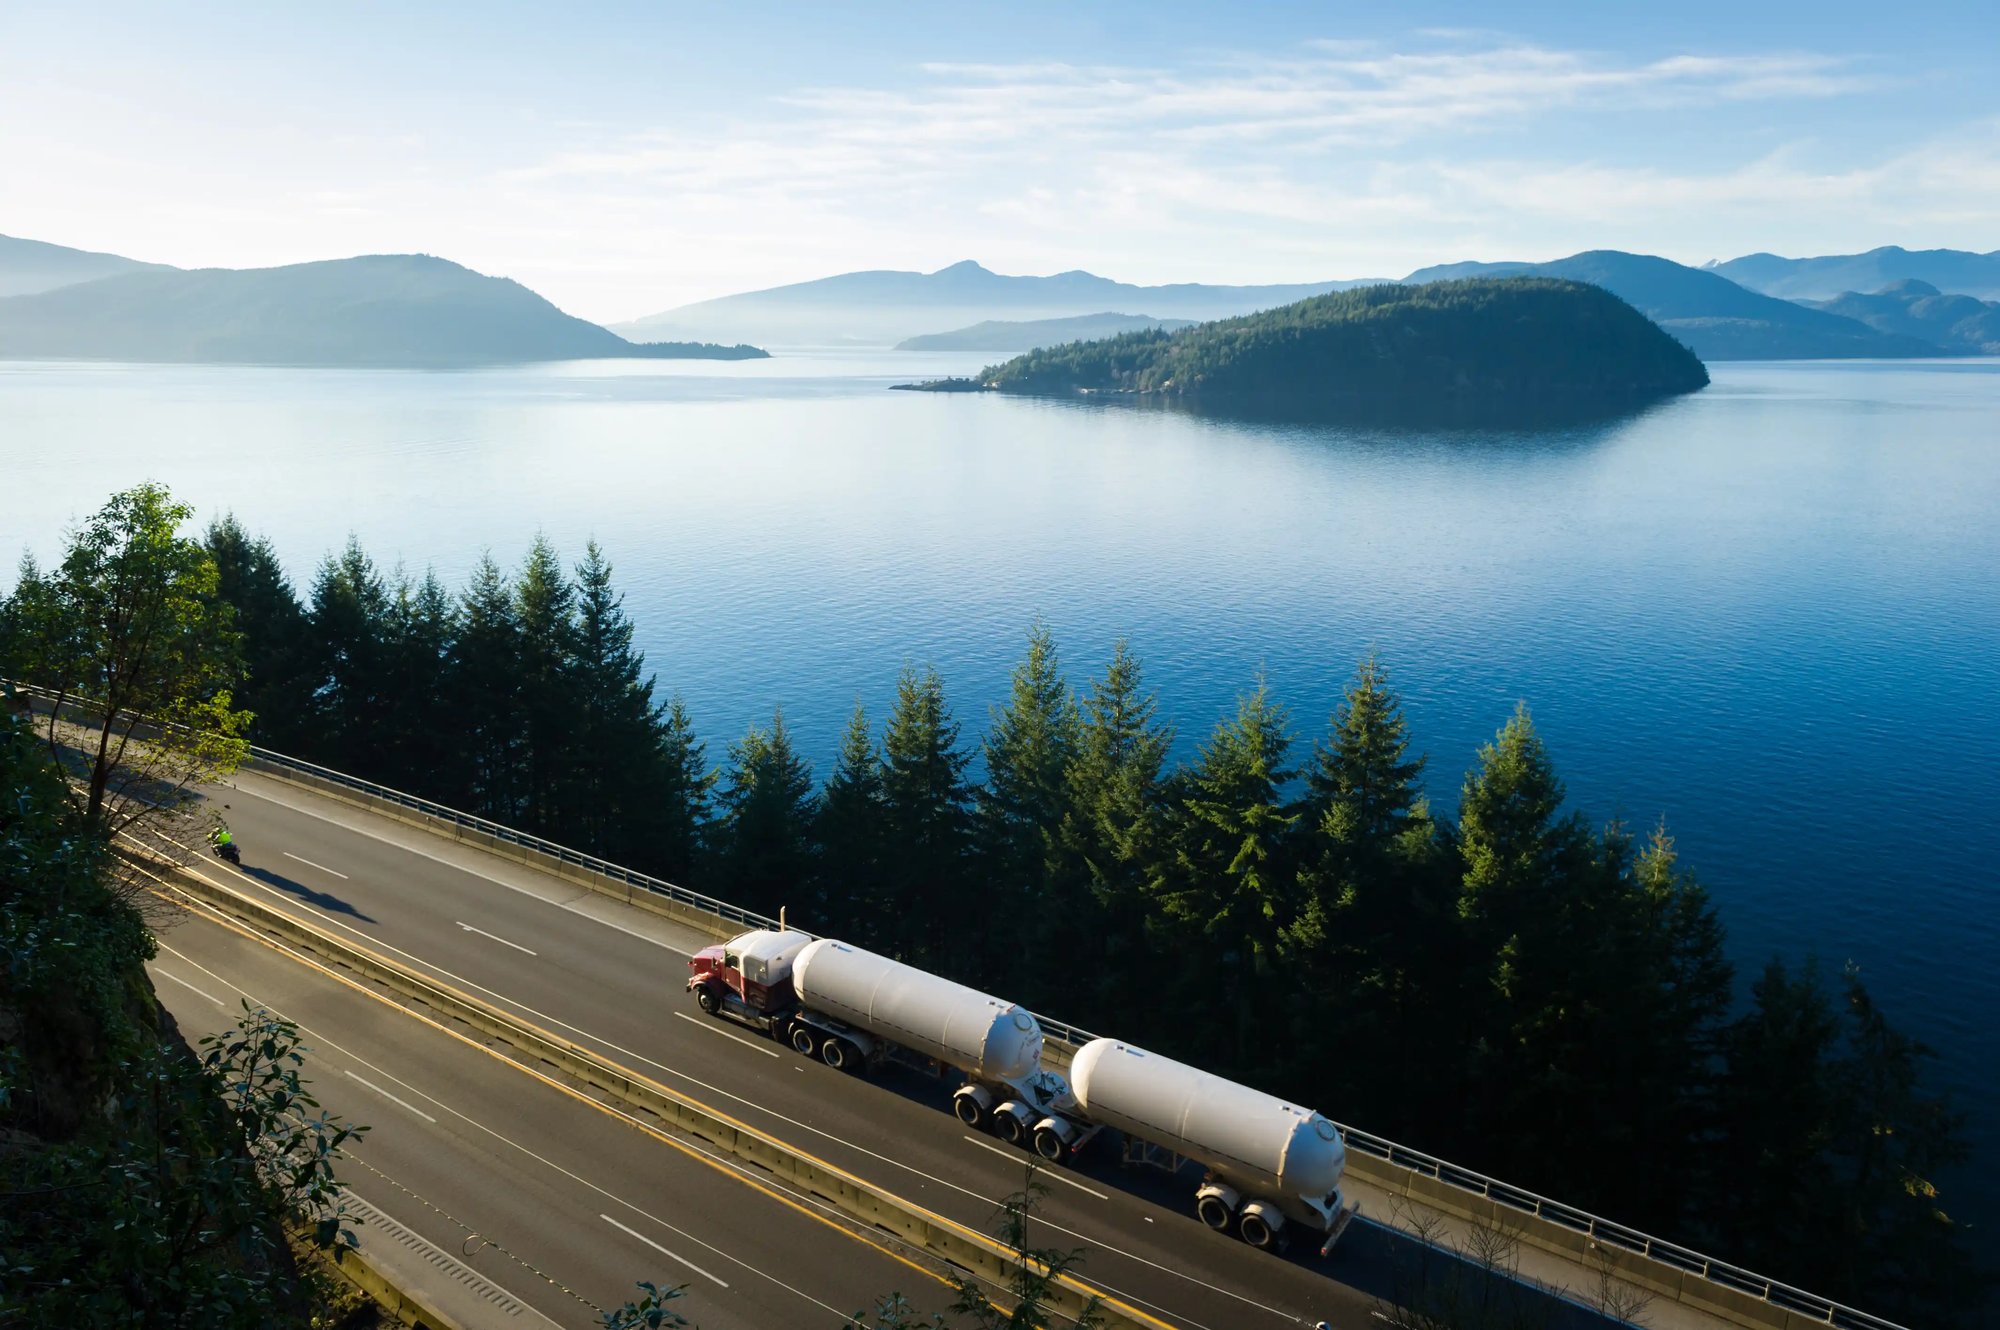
[1006,335]
[28,266]
[1965,325]
[883,308]
[1716,317]
[1958,271]
[384,309]
[411,309]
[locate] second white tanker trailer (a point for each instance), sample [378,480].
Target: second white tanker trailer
[1269,1166]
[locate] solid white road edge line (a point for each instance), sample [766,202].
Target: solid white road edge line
[662,1250]
[1051,1174]
[391,1098]
[732,1165]
[754,1106]
[494,936]
[696,1020]
[190,987]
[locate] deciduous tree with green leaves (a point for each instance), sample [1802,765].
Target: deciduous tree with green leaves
[128,633]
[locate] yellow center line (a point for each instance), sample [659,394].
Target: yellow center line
[556,1041]
[213,916]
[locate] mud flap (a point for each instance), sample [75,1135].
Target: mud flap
[1340,1224]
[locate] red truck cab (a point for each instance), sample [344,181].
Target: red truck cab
[753,968]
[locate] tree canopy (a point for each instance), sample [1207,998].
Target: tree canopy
[1481,349]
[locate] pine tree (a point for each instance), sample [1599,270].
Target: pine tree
[485,685]
[421,630]
[1669,1012]
[1537,958]
[763,836]
[347,619]
[677,794]
[935,915]
[1109,840]
[545,607]
[1375,925]
[850,831]
[1830,1151]
[617,725]
[1029,750]
[277,685]
[1225,887]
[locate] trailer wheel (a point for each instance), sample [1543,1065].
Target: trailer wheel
[1214,1212]
[804,1040]
[1011,1129]
[970,1111]
[1049,1145]
[710,1000]
[1256,1232]
[839,1054]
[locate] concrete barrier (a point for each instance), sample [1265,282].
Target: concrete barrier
[404,1307]
[944,1239]
[1695,1288]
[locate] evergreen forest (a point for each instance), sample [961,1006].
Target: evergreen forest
[1515,987]
[1483,349]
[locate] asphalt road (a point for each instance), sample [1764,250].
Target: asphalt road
[611,977]
[468,1150]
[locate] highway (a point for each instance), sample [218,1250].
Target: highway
[539,1206]
[610,977]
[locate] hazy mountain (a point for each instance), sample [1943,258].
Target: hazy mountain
[1912,308]
[383,309]
[885,307]
[1477,351]
[1003,335]
[1833,275]
[1717,318]
[28,266]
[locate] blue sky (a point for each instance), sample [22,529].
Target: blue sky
[626,158]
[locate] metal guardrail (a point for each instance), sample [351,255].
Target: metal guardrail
[1821,1310]
[1596,1227]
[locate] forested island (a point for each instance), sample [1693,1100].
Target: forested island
[1476,351]
[1513,986]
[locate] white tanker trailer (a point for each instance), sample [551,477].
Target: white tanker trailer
[851,1008]
[1268,1161]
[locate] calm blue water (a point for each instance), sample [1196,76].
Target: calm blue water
[1769,611]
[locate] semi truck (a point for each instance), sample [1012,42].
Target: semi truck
[1271,1168]
[852,1009]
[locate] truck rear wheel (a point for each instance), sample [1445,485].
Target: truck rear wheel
[1256,1232]
[710,1000]
[1214,1212]
[805,1040]
[839,1054]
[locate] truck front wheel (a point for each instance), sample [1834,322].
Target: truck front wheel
[710,1000]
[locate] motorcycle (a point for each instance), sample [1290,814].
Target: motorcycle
[226,850]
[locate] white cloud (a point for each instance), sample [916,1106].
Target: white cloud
[1324,160]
